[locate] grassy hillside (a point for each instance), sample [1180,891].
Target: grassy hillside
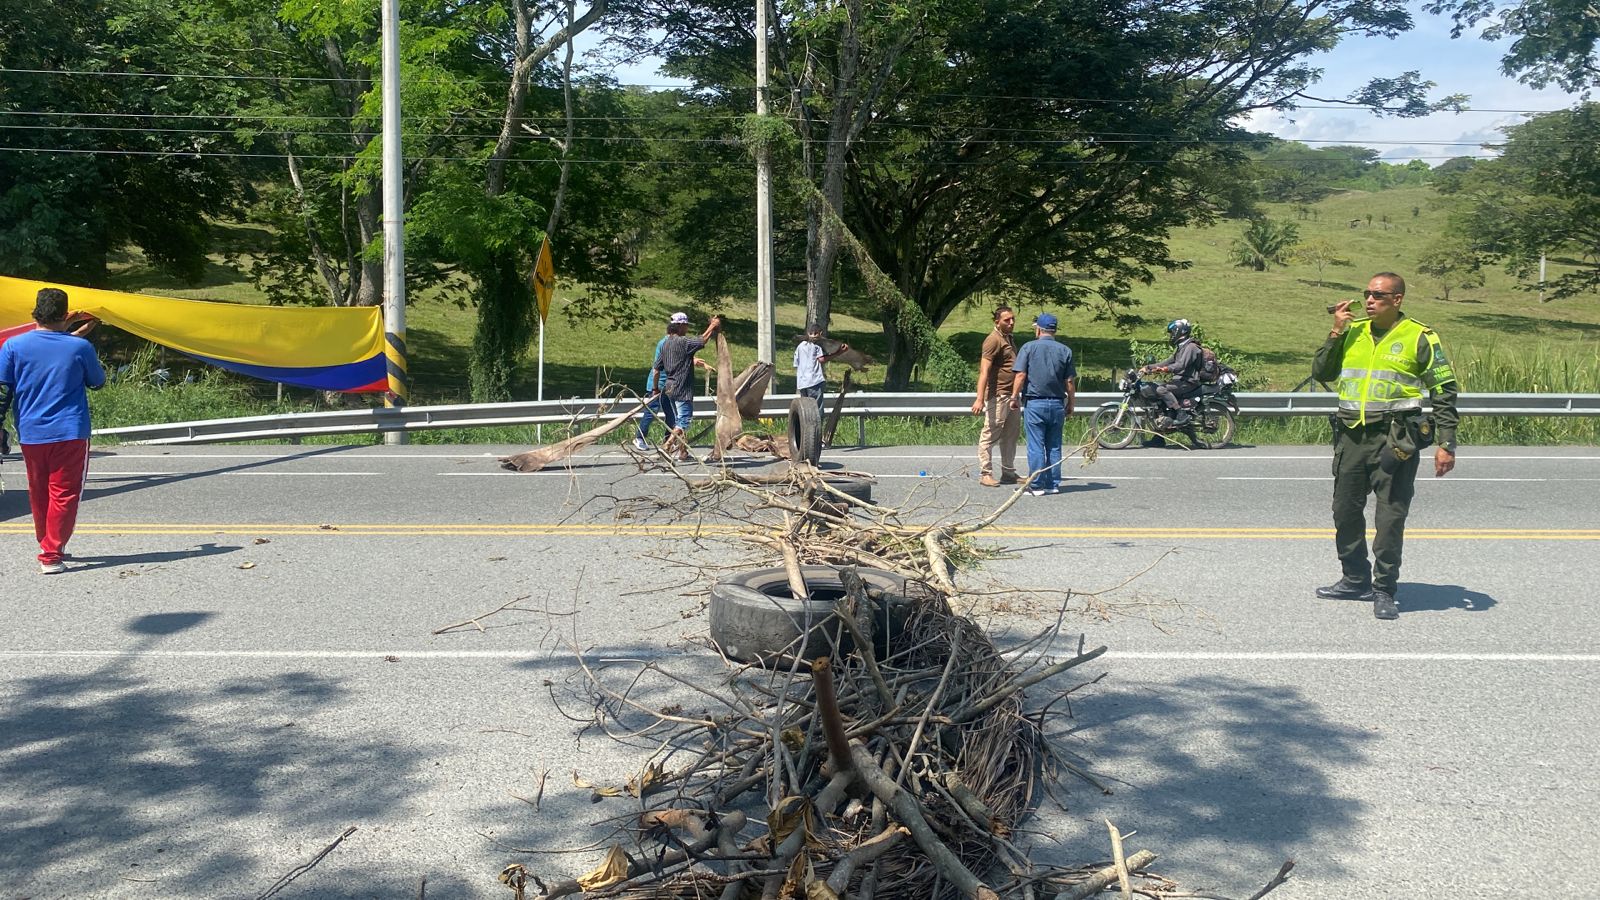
[1278,317]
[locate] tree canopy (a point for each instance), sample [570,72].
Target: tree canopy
[1540,196]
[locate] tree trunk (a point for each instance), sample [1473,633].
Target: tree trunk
[819,287]
[369,223]
[505,316]
[902,357]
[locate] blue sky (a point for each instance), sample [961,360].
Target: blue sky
[1468,65]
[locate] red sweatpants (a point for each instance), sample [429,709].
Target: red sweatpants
[55,482]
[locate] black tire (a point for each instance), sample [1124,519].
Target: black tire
[859,488]
[805,431]
[1114,436]
[1215,428]
[754,618]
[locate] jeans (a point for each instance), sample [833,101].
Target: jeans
[814,392]
[1043,419]
[677,414]
[651,410]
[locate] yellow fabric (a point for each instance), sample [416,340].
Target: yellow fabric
[286,336]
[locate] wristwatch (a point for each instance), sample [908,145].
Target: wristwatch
[1448,447]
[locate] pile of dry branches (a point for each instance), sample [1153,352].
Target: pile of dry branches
[898,765]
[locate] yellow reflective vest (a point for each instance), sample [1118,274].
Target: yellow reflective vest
[1384,375]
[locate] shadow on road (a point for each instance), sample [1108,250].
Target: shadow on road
[116,774]
[96,488]
[1222,776]
[1414,597]
[129,559]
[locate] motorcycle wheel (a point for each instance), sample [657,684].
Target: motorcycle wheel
[1216,426]
[1111,434]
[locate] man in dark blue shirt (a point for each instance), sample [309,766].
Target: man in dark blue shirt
[48,372]
[1044,388]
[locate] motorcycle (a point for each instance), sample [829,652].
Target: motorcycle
[1213,411]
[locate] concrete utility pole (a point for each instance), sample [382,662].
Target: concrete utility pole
[766,304]
[394,232]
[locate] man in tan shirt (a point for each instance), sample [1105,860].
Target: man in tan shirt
[1000,422]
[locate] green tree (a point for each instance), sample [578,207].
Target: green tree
[1540,196]
[1319,252]
[1264,243]
[1454,263]
[1552,41]
[96,154]
[1023,141]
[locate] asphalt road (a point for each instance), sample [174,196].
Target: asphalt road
[242,665]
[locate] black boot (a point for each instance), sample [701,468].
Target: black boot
[1383,605]
[1346,588]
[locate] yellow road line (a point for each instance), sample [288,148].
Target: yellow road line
[689,529]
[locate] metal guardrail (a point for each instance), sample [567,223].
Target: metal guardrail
[860,406]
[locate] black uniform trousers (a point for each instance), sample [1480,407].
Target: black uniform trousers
[1357,474]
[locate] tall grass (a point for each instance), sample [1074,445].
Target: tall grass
[140,395]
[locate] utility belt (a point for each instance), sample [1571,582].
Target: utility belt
[1408,432]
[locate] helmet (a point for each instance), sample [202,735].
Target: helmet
[1178,329]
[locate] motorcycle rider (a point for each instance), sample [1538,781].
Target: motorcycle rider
[1183,369]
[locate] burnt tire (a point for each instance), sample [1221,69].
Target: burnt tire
[805,431]
[859,488]
[755,619]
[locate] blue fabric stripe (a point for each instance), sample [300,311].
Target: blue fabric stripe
[350,376]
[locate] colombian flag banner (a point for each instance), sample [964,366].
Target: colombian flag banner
[327,348]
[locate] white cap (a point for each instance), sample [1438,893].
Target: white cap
[679,318]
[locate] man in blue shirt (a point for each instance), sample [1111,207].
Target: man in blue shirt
[48,372]
[1045,388]
[678,323]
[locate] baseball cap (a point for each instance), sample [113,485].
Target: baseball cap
[679,318]
[1047,321]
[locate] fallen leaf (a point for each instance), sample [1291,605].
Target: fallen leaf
[600,792]
[326,527]
[792,812]
[260,541]
[497,559]
[638,787]
[248,565]
[613,870]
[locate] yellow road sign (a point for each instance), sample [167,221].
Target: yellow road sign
[544,279]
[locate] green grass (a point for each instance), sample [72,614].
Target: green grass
[1501,336]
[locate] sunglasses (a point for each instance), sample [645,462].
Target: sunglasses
[1379,294]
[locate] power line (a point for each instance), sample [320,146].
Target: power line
[635,161]
[1348,107]
[1105,137]
[730,140]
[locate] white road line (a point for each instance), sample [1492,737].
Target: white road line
[1446,480]
[297,474]
[1156,655]
[1333,656]
[321,457]
[1274,478]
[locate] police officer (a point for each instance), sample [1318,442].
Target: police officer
[1382,364]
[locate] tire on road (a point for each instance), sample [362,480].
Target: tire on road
[850,485]
[754,618]
[805,431]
